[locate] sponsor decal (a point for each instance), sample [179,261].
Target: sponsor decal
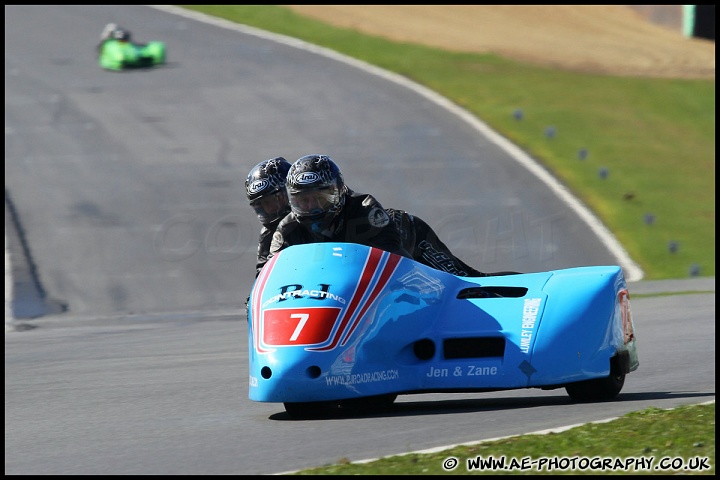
[358,378]
[258,185]
[462,371]
[305,178]
[531,307]
[296,290]
[378,217]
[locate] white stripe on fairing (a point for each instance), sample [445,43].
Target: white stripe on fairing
[342,324]
[387,266]
[257,300]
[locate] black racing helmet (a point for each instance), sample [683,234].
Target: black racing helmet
[121,34]
[316,191]
[265,189]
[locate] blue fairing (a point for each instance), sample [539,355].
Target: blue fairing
[336,321]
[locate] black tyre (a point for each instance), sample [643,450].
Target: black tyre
[597,389]
[306,410]
[375,403]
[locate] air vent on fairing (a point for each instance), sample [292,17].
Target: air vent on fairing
[473,347]
[492,292]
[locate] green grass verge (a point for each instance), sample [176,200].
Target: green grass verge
[685,435]
[654,137]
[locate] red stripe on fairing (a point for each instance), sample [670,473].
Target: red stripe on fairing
[257,298]
[367,274]
[387,272]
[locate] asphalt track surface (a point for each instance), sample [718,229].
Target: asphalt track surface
[133,250]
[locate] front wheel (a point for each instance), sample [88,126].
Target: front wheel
[304,410]
[372,404]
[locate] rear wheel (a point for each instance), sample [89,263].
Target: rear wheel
[596,389]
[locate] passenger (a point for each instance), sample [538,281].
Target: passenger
[265,190]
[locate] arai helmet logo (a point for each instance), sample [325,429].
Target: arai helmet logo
[258,185]
[307,177]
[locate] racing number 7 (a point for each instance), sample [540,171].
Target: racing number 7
[291,327]
[303,319]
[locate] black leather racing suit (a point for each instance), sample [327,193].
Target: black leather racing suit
[418,240]
[263,249]
[362,220]
[425,247]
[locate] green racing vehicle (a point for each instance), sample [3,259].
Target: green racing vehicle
[117,51]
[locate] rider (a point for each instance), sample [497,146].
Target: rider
[113,32]
[324,209]
[265,190]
